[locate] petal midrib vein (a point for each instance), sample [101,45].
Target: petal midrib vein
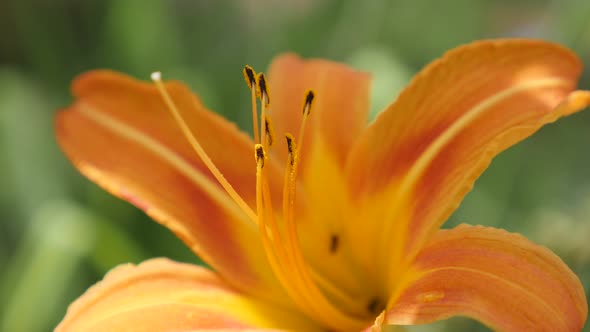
[172,158]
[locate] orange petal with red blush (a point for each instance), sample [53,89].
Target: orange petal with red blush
[119,133]
[162,295]
[421,156]
[498,278]
[338,116]
[340,108]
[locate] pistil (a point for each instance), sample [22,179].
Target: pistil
[157,78]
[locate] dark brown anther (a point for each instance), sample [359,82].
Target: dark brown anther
[309,97]
[291,148]
[270,134]
[250,76]
[259,154]
[263,87]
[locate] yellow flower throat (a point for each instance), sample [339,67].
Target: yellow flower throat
[281,242]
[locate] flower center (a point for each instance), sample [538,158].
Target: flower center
[280,242]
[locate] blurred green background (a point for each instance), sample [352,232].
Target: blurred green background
[59,233]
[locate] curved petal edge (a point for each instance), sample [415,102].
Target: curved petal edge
[498,278]
[163,295]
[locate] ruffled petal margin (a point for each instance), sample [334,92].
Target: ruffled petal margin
[162,295]
[498,278]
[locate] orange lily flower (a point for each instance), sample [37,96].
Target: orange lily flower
[339,232]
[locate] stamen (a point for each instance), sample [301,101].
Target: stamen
[281,244]
[275,252]
[263,87]
[264,103]
[157,78]
[307,104]
[270,133]
[289,187]
[250,77]
[308,101]
[291,148]
[260,155]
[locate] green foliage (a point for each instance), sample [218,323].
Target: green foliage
[59,233]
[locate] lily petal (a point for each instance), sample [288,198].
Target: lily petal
[120,135]
[338,115]
[496,277]
[425,151]
[162,295]
[340,108]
